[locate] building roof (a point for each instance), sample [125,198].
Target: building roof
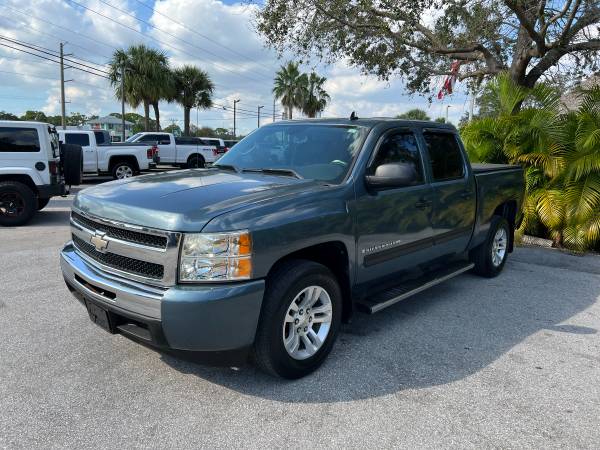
[108,120]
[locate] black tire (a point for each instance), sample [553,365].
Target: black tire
[42,203]
[18,204]
[195,162]
[482,256]
[283,286]
[72,162]
[123,169]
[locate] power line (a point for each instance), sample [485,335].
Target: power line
[157,40]
[48,53]
[197,33]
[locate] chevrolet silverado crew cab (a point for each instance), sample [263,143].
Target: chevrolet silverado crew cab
[181,151]
[34,167]
[120,161]
[294,229]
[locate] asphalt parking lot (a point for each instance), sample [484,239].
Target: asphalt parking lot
[503,363]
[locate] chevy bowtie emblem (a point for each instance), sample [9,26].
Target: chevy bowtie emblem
[99,242]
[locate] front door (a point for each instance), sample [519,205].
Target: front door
[393,226]
[455,202]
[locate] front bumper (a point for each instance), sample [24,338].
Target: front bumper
[200,318]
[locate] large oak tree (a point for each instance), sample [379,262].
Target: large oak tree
[418,39]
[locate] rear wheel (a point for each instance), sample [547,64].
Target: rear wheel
[123,169]
[299,321]
[195,161]
[490,257]
[17,203]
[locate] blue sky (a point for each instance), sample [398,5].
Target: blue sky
[244,72]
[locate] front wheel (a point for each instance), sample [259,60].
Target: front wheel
[300,319]
[490,257]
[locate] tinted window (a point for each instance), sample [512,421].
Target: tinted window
[445,155]
[186,141]
[161,139]
[77,139]
[399,148]
[101,137]
[318,152]
[19,140]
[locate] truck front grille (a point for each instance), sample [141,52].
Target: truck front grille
[123,263]
[136,237]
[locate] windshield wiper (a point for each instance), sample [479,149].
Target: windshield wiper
[226,167]
[275,171]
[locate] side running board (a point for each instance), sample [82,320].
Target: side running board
[388,297]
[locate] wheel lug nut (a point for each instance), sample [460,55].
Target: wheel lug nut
[305,329]
[300,312]
[310,319]
[296,321]
[299,330]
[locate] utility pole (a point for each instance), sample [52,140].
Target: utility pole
[447,107]
[471,106]
[123,103]
[235,102]
[259,108]
[63,119]
[273,109]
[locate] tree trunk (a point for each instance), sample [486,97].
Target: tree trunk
[289,111]
[156,115]
[146,116]
[186,120]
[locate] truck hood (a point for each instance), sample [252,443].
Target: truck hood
[184,200]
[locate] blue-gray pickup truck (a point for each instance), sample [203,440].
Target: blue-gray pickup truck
[291,232]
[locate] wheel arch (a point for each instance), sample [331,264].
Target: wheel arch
[21,178]
[115,159]
[508,210]
[333,255]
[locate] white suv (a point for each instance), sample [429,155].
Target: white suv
[34,167]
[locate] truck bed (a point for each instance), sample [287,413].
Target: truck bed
[485,168]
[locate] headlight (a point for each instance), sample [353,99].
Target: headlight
[216,257]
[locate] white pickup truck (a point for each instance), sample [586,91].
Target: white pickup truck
[185,151]
[121,161]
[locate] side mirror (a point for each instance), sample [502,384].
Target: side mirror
[393,175]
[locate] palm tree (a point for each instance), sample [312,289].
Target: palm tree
[193,89]
[314,96]
[288,87]
[147,79]
[560,155]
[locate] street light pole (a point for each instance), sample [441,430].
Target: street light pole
[63,120]
[235,102]
[273,109]
[259,108]
[447,107]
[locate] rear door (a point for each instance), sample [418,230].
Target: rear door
[166,148]
[394,225]
[90,154]
[454,206]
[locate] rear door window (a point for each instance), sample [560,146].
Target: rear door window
[77,139]
[445,156]
[19,140]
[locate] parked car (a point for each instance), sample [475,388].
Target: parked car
[34,167]
[218,143]
[295,228]
[230,144]
[185,151]
[120,161]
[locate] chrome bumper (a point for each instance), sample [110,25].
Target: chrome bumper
[94,283]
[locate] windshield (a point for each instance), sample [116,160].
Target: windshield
[313,151]
[133,138]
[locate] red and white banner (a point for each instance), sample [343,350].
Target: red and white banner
[448,85]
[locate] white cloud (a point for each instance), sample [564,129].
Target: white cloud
[245,74]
